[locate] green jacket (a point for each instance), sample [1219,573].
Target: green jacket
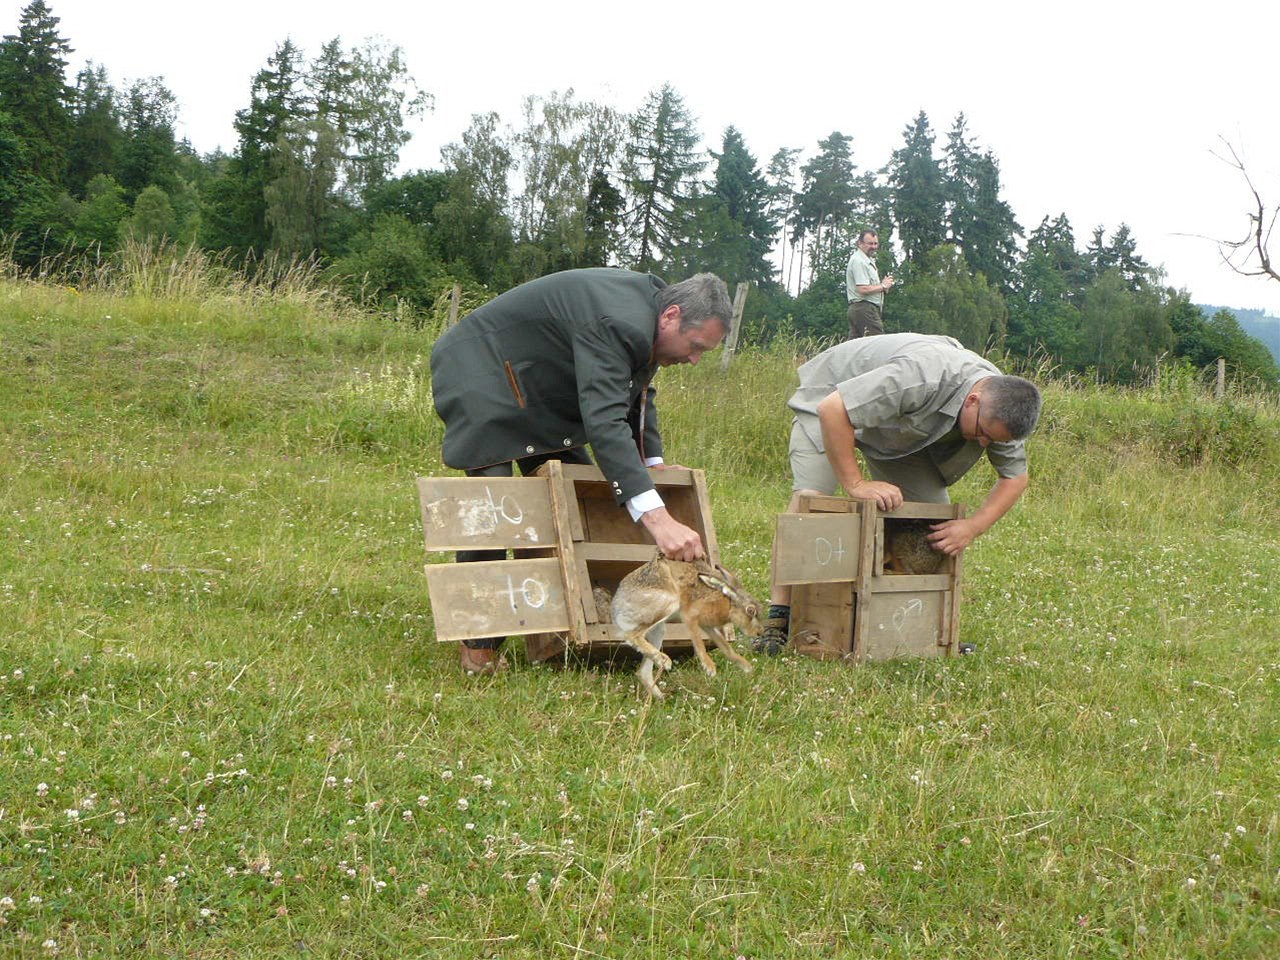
[558,362]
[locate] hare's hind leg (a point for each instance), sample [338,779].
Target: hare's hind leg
[653,637]
[721,641]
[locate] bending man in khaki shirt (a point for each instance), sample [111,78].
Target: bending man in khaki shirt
[923,410]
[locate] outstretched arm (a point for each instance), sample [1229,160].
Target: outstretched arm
[952,536]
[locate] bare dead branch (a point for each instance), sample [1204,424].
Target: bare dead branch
[1239,254]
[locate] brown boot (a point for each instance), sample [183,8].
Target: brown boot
[481,661]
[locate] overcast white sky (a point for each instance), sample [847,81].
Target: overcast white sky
[1108,111]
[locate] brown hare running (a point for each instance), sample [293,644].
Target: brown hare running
[706,597]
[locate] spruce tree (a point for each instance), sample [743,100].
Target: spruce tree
[97,135]
[919,196]
[34,92]
[661,166]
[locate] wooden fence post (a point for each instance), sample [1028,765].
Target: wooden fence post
[731,342]
[455,298]
[1221,390]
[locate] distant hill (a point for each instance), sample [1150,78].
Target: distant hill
[1257,323]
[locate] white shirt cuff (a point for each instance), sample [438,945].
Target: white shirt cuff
[653,461]
[642,503]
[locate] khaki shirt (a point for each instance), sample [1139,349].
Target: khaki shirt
[903,393]
[862,271]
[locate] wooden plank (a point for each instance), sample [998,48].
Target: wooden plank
[603,521]
[822,619]
[637,552]
[606,634]
[704,526]
[813,548]
[496,598]
[905,582]
[862,607]
[957,583]
[905,625]
[574,586]
[921,511]
[811,503]
[590,473]
[468,513]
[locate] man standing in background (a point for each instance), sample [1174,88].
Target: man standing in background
[865,288]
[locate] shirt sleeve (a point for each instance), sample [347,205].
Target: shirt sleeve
[1009,459]
[860,272]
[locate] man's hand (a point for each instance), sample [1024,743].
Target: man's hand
[952,536]
[674,539]
[885,495]
[888,282]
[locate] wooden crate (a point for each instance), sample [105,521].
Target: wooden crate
[567,535]
[844,604]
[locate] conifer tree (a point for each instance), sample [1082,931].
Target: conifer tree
[919,197]
[827,198]
[740,196]
[661,166]
[34,92]
[97,136]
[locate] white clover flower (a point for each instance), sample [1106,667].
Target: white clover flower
[463,803]
[859,867]
[1190,883]
[42,789]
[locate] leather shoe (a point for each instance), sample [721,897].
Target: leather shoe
[481,662]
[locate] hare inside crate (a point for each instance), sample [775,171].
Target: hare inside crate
[907,548]
[707,598]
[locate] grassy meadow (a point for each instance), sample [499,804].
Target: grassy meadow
[226,729]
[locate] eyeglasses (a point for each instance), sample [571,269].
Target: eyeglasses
[977,425]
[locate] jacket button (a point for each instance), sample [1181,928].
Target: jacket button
[568,442]
[528,449]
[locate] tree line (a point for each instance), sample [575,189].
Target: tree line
[87,168]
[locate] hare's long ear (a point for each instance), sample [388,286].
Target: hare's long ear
[729,578]
[715,583]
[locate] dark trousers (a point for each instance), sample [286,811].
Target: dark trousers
[864,319]
[527,466]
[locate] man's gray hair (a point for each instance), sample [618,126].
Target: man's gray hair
[1013,401]
[701,297]
[862,237]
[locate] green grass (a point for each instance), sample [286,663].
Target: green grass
[217,657]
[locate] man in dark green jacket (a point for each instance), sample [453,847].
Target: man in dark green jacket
[567,361]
